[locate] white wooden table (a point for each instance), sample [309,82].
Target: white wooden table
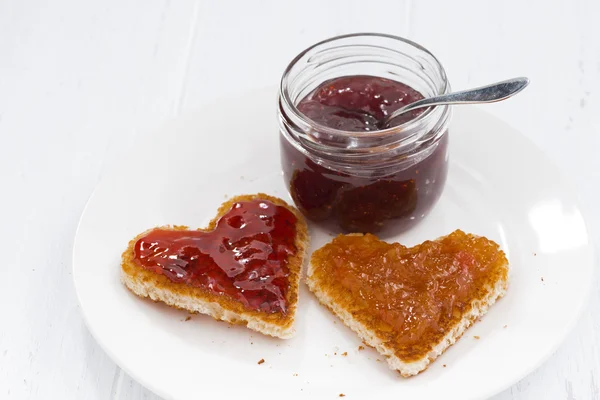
[80,81]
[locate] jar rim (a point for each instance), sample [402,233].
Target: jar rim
[407,126]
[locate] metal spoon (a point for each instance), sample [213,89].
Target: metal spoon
[484,94]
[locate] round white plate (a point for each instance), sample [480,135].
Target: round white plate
[499,186]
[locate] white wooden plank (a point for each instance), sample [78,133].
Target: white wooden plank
[249,44]
[76,82]
[129,389]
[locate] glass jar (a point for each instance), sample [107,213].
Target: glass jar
[383,181]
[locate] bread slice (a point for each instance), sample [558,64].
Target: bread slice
[390,295]
[148,283]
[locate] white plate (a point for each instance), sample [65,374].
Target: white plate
[499,186]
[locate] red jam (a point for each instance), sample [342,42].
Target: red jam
[245,257]
[382,204]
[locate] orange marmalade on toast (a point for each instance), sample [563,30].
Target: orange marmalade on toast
[245,256]
[411,296]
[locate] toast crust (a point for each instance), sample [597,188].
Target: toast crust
[407,359]
[145,283]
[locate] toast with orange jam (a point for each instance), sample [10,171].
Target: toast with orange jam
[244,268]
[410,304]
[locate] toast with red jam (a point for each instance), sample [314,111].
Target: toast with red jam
[244,268]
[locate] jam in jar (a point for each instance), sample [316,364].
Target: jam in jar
[344,165]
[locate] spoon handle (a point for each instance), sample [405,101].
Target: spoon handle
[484,94]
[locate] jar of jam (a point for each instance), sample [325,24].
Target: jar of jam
[344,166]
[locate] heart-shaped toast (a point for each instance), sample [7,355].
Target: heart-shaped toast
[411,304]
[243,268]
